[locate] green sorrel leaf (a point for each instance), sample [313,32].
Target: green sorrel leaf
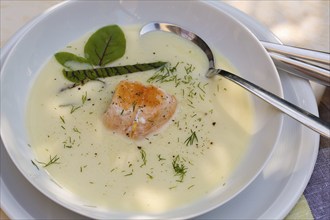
[105,45]
[66,58]
[78,76]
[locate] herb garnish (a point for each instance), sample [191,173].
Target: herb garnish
[160,157]
[74,108]
[62,119]
[84,75]
[35,164]
[104,46]
[190,140]
[84,98]
[179,168]
[129,174]
[144,157]
[166,73]
[52,160]
[191,186]
[68,143]
[76,130]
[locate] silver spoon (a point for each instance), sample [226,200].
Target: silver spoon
[286,107]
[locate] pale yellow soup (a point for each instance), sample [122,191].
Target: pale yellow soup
[109,170]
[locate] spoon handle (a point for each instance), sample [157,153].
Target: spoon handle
[286,107]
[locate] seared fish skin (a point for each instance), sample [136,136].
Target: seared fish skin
[137,110]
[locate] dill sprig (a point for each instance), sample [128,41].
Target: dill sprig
[189,68]
[52,160]
[191,139]
[166,73]
[150,176]
[144,157]
[129,174]
[69,142]
[84,98]
[74,108]
[76,130]
[179,168]
[62,119]
[34,164]
[160,157]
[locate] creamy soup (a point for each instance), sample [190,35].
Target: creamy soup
[190,156]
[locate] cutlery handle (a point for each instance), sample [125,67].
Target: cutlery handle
[305,70]
[286,107]
[312,55]
[312,65]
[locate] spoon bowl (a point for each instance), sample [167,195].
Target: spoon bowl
[286,107]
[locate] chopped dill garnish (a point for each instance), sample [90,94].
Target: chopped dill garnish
[76,130]
[179,168]
[122,112]
[191,186]
[198,85]
[62,119]
[68,143]
[160,157]
[169,73]
[144,157]
[191,93]
[191,139]
[129,174]
[187,79]
[84,98]
[74,108]
[190,101]
[165,74]
[150,176]
[189,68]
[52,160]
[35,164]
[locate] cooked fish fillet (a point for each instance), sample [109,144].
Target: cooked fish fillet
[137,110]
